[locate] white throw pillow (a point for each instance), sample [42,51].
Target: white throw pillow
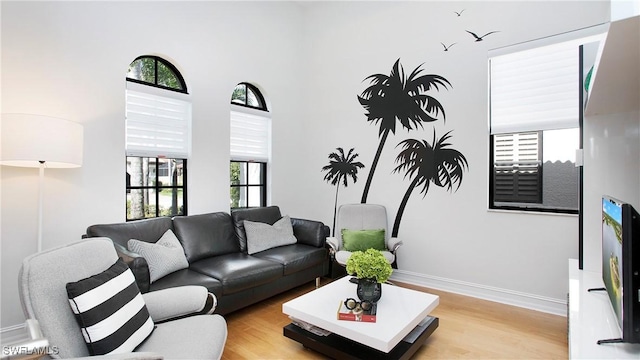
[261,236]
[163,257]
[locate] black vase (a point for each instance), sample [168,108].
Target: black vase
[369,289]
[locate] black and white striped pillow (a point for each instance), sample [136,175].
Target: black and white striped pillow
[110,311]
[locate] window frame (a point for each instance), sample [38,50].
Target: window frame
[158,188]
[156,90]
[169,65]
[528,206]
[242,157]
[257,92]
[262,185]
[533,206]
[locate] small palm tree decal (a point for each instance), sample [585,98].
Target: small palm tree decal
[396,97]
[340,168]
[427,164]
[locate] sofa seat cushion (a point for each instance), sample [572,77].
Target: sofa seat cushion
[239,271]
[294,257]
[188,277]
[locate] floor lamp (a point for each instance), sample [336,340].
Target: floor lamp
[41,142]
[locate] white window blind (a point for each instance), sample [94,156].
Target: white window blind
[250,136]
[157,126]
[536,89]
[534,84]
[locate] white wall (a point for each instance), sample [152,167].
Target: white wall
[451,240]
[68,59]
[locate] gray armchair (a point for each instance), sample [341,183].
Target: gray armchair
[361,217]
[176,335]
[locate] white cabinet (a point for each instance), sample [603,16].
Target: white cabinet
[591,318]
[611,132]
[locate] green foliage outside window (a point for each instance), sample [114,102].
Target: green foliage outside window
[166,77]
[235,179]
[248,95]
[239,94]
[146,69]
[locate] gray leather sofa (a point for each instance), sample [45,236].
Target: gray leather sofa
[215,246]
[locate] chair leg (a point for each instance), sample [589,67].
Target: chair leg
[317,282]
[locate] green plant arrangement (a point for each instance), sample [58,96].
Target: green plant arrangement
[370,264]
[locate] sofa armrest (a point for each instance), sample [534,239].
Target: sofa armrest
[180,301]
[394,244]
[138,266]
[310,232]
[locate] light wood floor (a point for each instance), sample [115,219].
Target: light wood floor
[469,329]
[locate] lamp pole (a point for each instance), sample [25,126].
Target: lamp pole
[30,140]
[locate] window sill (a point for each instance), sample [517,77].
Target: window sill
[531,212]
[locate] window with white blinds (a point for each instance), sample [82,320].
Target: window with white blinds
[250,135]
[536,89]
[158,123]
[534,120]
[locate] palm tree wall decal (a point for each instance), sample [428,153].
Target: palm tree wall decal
[396,97]
[428,163]
[340,168]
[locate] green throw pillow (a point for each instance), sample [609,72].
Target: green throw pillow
[354,240]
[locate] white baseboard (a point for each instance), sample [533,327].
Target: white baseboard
[504,296]
[11,328]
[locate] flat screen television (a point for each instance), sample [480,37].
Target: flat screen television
[621,265]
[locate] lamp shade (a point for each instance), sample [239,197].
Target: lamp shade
[29,139]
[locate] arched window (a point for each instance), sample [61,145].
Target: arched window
[250,147]
[158,139]
[248,95]
[155,71]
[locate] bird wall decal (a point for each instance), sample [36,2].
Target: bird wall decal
[459,13]
[479,38]
[446,48]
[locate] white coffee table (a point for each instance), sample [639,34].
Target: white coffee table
[400,311]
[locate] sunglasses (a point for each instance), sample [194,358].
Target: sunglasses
[352,304]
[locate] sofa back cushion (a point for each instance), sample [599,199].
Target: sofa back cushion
[206,235]
[149,230]
[268,215]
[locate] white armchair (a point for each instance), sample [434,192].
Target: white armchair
[361,217]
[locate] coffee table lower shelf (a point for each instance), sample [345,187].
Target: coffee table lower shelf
[338,347]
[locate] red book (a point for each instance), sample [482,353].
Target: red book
[356,314]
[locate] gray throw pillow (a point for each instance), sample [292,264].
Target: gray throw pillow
[163,257]
[261,236]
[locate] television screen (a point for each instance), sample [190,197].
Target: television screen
[612,258]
